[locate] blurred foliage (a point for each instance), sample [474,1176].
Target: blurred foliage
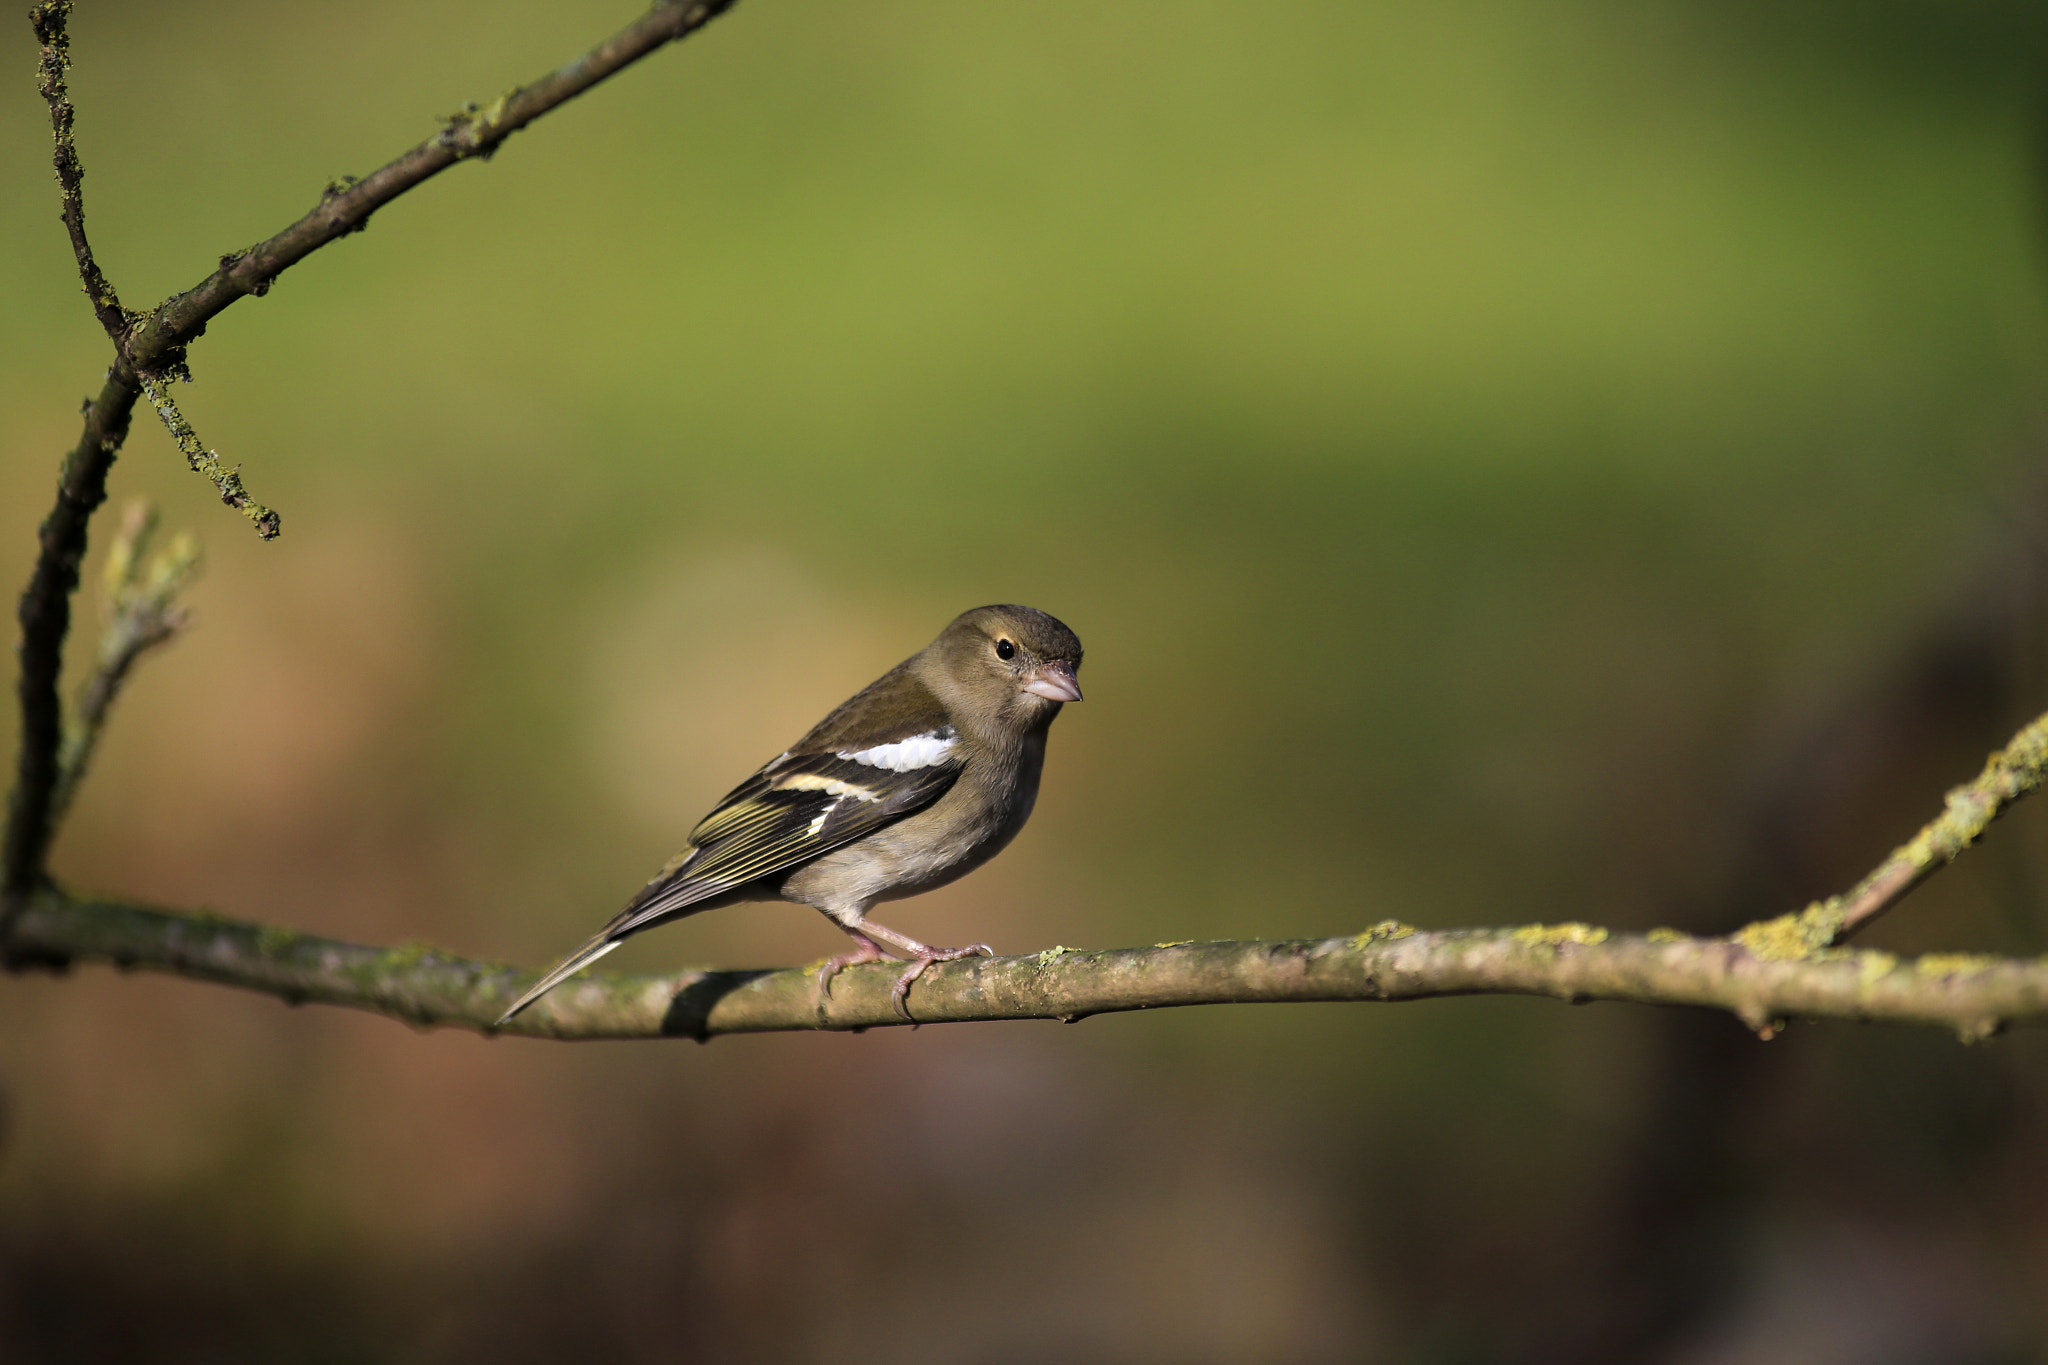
[1476,441]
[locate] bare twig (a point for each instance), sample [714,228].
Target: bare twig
[473,131]
[1967,812]
[1973,996]
[139,611]
[204,461]
[49,20]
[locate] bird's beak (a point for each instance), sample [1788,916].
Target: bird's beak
[1053,681]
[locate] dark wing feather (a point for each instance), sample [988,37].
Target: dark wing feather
[793,810]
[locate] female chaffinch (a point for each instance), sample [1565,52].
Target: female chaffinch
[918,779]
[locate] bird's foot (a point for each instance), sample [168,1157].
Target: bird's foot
[922,957]
[868,951]
[869,939]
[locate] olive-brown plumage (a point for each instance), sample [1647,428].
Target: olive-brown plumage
[916,780]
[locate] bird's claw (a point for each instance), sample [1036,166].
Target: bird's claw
[899,995]
[833,966]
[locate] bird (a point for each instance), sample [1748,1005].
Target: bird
[913,782]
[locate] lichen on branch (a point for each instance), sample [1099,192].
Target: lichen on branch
[204,461]
[1970,995]
[51,20]
[1764,974]
[1967,811]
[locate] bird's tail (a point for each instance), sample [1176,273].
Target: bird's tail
[574,963]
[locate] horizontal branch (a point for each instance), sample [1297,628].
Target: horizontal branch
[1974,996]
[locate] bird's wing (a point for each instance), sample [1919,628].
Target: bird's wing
[793,809]
[886,752]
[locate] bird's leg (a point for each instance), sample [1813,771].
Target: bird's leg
[865,950]
[920,956]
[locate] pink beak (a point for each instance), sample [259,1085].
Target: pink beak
[1053,681]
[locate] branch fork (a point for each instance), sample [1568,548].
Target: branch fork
[150,354]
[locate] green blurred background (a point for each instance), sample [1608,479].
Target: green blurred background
[1507,461]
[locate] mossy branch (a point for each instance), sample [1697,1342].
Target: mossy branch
[1764,974]
[204,461]
[1967,811]
[51,20]
[1974,996]
[45,616]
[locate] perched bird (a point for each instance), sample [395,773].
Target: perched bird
[918,779]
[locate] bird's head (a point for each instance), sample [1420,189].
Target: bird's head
[1016,663]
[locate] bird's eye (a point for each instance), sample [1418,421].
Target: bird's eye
[1005,650]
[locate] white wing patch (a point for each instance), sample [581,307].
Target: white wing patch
[818,782]
[840,792]
[823,816]
[906,755]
